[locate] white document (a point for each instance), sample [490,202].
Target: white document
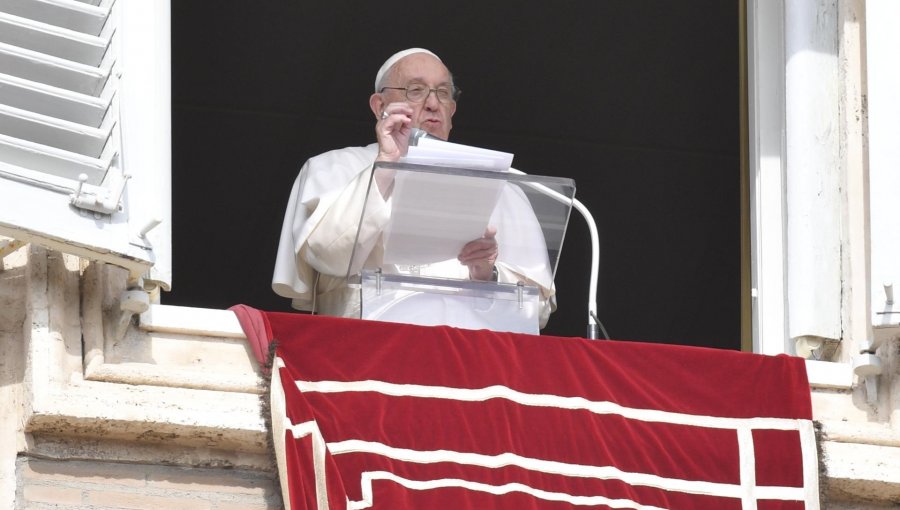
[440,153]
[434,215]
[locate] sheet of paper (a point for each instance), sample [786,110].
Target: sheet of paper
[440,153]
[434,215]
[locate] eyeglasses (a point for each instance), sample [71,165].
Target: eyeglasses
[418,93]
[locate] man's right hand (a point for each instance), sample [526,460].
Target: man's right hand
[392,131]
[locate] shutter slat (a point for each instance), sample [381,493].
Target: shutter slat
[50,160]
[51,131]
[54,101]
[51,70]
[52,40]
[70,14]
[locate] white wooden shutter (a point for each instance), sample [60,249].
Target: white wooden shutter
[883,40]
[85,151]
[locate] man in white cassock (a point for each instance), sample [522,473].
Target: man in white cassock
[413,89]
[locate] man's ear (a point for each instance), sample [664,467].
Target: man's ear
[376,103]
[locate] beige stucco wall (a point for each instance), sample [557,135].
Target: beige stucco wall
[861,447]
[86,485]
[169,410]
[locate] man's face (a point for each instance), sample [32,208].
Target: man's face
[431,115]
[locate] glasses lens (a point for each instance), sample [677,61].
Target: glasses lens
[416,93]
[444,95]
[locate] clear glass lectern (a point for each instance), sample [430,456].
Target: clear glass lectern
[417,219]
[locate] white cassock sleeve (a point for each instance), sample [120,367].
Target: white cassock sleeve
[331,242]
[321,182]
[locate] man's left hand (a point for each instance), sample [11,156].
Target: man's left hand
[480,255]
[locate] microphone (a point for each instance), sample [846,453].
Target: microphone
[416,134]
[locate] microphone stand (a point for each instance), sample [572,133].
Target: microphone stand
[594,325]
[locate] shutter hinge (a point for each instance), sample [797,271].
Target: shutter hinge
[104,201]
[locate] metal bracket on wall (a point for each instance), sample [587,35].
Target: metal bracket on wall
[131,302]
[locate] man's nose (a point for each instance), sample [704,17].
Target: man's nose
[431,100]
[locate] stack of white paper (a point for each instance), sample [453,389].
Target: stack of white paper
[430,151]
[433,215]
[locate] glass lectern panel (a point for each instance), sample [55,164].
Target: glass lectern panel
[417,218]
[416,221]
[425,301]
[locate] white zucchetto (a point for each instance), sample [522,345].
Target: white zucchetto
[393,59]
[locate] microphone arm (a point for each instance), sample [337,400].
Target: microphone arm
[594,324]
